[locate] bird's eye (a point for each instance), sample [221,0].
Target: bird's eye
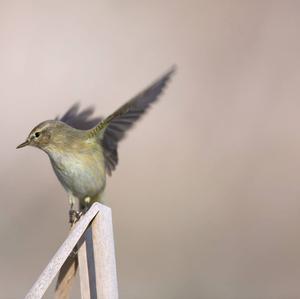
[37,134]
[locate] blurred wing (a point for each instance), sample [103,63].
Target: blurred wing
[81,120]
[113,128]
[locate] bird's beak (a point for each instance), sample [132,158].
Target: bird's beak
[23,144]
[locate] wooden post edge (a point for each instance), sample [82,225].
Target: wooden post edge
[46,277]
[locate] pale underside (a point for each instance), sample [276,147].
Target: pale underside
[82,174]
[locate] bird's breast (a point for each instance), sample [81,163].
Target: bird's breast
[81,173]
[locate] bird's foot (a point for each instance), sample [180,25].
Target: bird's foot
[74,216]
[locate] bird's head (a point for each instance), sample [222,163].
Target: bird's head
[45,135]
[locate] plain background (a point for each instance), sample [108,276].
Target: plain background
[206,197]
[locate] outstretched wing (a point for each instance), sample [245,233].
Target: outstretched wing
[82,120]
[113,128]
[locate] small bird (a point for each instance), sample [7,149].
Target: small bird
[83,150]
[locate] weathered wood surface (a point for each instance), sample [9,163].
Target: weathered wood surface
[91,262]
[104,258]
[104,255]
[66,275]
[84,272]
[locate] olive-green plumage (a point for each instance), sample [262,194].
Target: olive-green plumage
[83,150]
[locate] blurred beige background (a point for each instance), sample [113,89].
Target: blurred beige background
[206,197]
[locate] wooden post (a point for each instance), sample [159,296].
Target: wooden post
[86,272]
[104,254]
[95,256]
[66,275]
[65,278]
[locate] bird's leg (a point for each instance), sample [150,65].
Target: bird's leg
[74,215]
[86,204]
